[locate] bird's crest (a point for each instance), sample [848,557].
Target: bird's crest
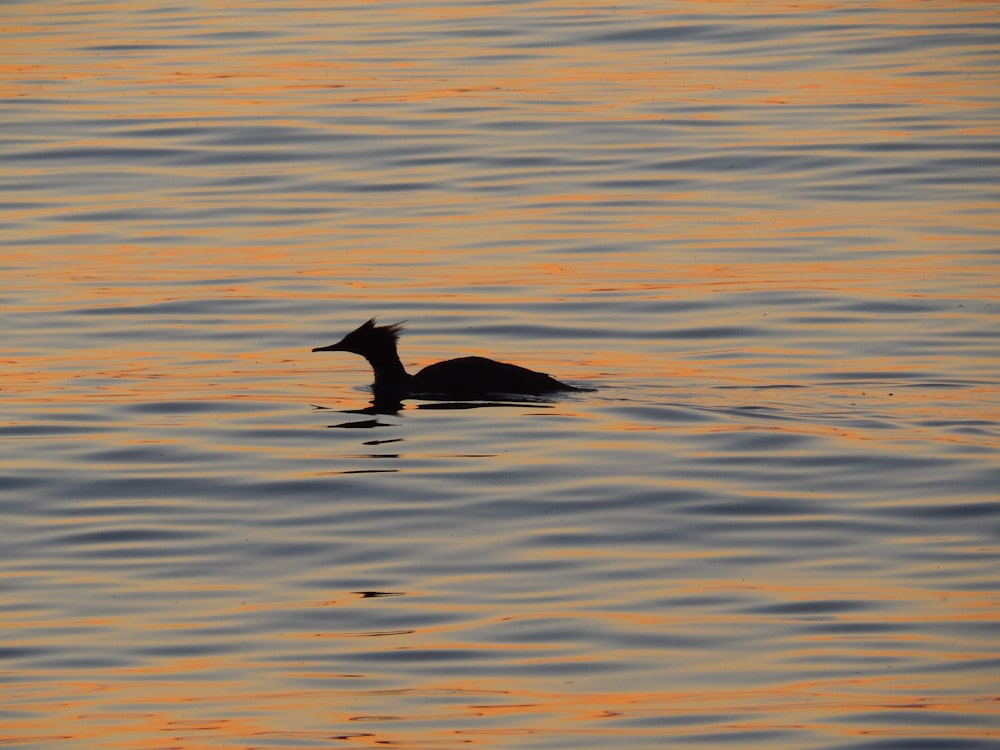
[393,329]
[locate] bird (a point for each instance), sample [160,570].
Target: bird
[464,378]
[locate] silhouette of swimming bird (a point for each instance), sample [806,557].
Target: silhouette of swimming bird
[463,378]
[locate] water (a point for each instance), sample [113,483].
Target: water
[766,234]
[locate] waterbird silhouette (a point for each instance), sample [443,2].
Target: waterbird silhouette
[465,378]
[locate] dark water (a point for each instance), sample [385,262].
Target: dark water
[767,235]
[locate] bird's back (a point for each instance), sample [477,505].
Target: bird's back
[479,377]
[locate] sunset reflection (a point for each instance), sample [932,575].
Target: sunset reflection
[759,241]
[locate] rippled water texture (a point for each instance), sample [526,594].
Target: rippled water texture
[766,233]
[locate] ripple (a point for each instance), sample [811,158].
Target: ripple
[765,237]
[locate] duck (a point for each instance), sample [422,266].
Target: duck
[464,378]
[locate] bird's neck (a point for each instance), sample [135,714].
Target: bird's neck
[389,371]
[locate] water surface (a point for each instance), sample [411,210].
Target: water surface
[766,235]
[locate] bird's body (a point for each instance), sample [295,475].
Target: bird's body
[477,377]
[462,378]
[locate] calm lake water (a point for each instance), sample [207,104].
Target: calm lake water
[767,234]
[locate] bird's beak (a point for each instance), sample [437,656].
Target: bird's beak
[331,348]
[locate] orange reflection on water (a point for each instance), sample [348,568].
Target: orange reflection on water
[187,699]
[451,712]
[150,261]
